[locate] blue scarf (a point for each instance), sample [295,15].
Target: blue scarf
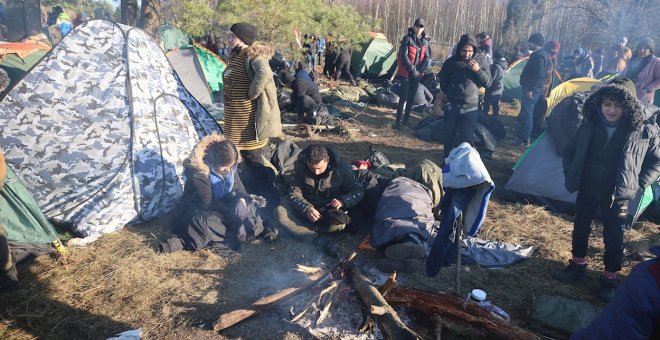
[221,185]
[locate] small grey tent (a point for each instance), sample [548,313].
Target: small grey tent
[98,130]
[200,70]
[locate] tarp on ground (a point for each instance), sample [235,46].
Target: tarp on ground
[377,59]
[99,129]
[511,80]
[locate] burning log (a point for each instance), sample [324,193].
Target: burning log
[450,308]
[229,319]
[389,322]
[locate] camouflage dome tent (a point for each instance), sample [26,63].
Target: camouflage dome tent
[99,129]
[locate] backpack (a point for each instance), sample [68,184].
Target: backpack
[376,158]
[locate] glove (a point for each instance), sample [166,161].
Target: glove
[620,208]
[241,209]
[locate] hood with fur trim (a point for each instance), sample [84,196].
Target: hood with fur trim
[260,50]
[196,159]
[632,110]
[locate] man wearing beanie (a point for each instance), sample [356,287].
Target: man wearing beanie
[644,70]
[413,59]
[541,105]
[532,80]
[252,114]
[460,78]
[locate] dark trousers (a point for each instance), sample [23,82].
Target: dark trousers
[344,67]
[494,101]
[407,98]
[459,127]
[6,262]
[305,107]
[332,220]
[329,65]
[538,116]
[585,212]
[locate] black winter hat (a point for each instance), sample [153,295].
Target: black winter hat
[419,22]
[536,39]
[244,31]
[647,42]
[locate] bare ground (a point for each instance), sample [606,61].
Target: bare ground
[120,283]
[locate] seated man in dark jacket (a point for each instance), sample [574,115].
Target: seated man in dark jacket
[460,78]
[213,210]
[615,155]
[323,187]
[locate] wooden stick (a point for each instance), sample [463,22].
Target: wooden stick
[377,310]
[389,323]
[229,319]
[306,269]
[449,307]
[326,309]
[388,284]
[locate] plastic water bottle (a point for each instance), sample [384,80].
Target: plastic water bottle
[478,297]
[497,311]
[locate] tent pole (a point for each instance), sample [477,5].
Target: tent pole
[457,241]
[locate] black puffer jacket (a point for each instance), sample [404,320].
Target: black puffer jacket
[639,165]
[497,71]
[336,182]
[458,82]
[536,70]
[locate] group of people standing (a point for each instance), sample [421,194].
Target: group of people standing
[336,53]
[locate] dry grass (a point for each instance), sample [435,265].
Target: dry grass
[120,282]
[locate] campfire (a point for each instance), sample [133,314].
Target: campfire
[330,286]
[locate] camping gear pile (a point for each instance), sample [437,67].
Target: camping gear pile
[109,148]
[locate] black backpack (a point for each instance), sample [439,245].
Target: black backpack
[376,158]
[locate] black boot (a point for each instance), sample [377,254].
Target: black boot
[9,280]
[571,273]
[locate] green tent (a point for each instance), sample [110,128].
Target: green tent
[28,230]
[200,71]
[376,60]
[15,65]
[172,38]
[511,80]
[538,177]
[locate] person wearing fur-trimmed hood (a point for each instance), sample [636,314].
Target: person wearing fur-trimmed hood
[214,210]
[615,155]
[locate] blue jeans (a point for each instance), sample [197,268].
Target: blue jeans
[525,117]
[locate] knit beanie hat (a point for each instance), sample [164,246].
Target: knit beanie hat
[647,42]
[536,39]
[244,31]
[552,45]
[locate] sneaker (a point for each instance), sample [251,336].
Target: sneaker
[407,250]
[570,273]
[606,288]
[402,266]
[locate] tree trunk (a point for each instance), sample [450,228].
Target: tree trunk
[129,12]
[150,17]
